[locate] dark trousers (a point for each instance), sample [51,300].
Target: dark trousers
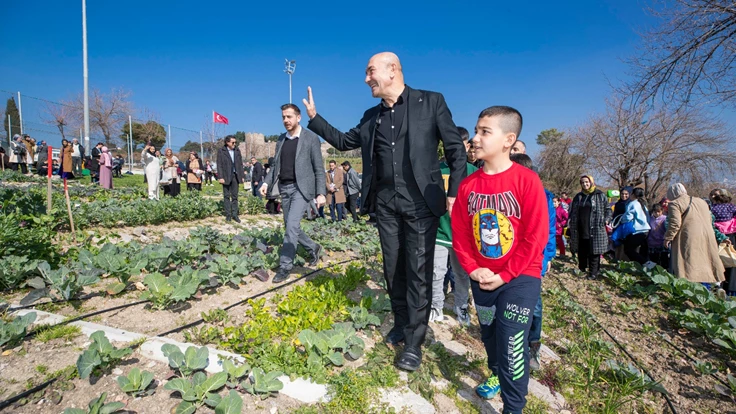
[352,205]
[194,186]
[256,189]
[77,166]
[230,193]
[408,231]
[336,209]
[505,317]
[208,177]
[586,259]
[636,248]
[172,189]
[23,167]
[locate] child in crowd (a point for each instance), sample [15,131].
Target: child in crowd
[499,229]
[657,252]
[560,224]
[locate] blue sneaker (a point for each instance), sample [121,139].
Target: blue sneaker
[489,389]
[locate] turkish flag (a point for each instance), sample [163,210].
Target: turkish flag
[219,119]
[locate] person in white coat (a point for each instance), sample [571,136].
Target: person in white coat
[152,170]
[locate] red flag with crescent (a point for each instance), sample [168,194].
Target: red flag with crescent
[219,119]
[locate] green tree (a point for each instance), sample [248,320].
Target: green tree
[549,136]
[240,136]
[142,133]
[190,146]
[12,110]
[271,138]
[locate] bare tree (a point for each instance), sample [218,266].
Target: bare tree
[634,145]
[62,116]
[559,165]
[690,55]
[107,112]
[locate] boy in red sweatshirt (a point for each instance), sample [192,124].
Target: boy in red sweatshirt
[499,230]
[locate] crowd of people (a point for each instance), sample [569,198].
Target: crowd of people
[477,220]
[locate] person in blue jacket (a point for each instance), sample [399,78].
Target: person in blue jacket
[635,244]
[550,249]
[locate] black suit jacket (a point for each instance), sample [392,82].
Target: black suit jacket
[427,121]
[225,166]
[258,173]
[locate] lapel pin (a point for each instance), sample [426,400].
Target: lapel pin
[420,99]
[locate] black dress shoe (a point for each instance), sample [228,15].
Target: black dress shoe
[227,218]
[316,256]
[410,359]
[281,276]
[395,336]
[236,219]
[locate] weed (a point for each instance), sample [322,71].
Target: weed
[42,369]
[48,333]
[534,405]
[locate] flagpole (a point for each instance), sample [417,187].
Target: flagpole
[213,127]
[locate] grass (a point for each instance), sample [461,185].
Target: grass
[66,332]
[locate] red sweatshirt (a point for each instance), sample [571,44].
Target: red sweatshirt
[501,222]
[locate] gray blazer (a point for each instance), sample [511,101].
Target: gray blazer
[308,166]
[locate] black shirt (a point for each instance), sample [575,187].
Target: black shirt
[288,157]
[394,173]
[584,211]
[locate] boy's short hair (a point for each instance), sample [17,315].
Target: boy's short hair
[464,134]
[657,207]
[555,198]
[523,160]
[511,120]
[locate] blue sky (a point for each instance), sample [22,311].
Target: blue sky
[551,60]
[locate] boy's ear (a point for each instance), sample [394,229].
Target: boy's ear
[509,140]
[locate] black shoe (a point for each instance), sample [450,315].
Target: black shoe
[395,336]
[281,276]
[227,219]
[592,277]
[236,219]
[316,256]
[410,359]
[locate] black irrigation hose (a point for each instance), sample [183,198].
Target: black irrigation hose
[678,349]
[621,347]
[257,295]
[18,397]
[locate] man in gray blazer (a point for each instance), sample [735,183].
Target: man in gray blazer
[298,175]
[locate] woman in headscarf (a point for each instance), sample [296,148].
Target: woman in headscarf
[171,163]
[152,170]
[589,214]
[618,210]
[106,169]
[724,213]
[690,237]
[65,160]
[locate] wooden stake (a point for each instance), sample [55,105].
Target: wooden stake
[68,205]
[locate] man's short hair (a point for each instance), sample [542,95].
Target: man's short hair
[523,160]
[229,137]
[346,163]
[291,106]
[518,141]
[511,120]
[464,134]
[332,162]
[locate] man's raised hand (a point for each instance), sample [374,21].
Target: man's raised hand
[309,104]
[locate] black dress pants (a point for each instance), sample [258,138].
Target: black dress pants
[230,193]
[586,259]
[636,247]
[408,231]
[352,205]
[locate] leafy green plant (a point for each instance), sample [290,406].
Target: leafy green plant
[631,373]
[100,355]
[180,286]
[203,335]
[14,332]
[234,372]
[67,283]
[114,262]
[97,406]
[262,384]
[323,347]
[233,268]
[626,308]
[14,270]
[215,316]
[190,361]
[136,383]
[705,368]
[46,333]
[362,318]
[197,391]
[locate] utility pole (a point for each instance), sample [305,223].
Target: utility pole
[290,68]
[86,74]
